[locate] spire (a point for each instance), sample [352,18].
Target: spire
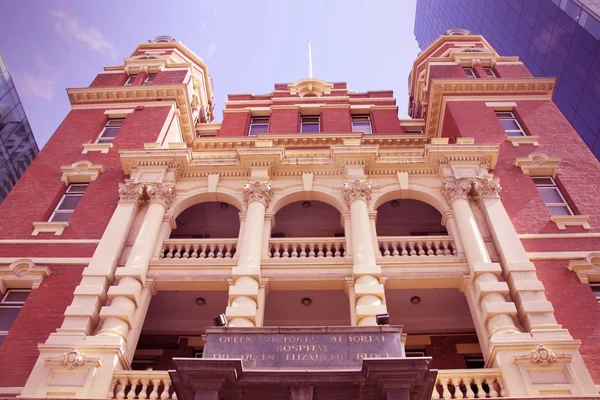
[310,75]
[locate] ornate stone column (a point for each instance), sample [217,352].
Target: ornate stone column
[489,291]
[368,290]
[126,295]
[534,309]
[244,292]
[82,316]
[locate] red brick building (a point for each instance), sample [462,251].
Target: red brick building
[312,205]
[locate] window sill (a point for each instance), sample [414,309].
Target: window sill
[519,140]
[52,227]
[101,147]
[562,221]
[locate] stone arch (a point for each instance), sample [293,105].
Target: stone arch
[419,192]
[296,193]
[187,199]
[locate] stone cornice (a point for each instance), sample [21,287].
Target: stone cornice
[515,86]
[22,274]
[325,160]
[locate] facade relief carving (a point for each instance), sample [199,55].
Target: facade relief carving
[132,192]
[161,193]
[73,359]
[140,193]
[357,190]
[256,191]
[471,188]
[543,356]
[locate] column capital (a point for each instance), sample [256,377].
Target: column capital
[486,188]
[458,189]
[132,192]
[357,190]
[256,191]
[161,193]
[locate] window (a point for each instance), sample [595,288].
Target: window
[361,123]
[68,202]
[596,289]
[110,130]
[489,72]
[149,79]
[414,131]
[510,124]
[556,203]
[10,305]
[130,80]
[310,124]
[258,125]
[470,73]
[415,353]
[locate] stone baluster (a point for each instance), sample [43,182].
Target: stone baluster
[126,294]
[369,292]
[243,294]
[495,310]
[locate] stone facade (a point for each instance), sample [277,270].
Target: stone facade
[98,281]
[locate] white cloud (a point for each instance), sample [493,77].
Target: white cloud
[71,30]
[37,85]
[211,50]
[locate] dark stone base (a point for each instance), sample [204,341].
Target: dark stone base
[378,379]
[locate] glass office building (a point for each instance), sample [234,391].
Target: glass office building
[17,144]
[554,38]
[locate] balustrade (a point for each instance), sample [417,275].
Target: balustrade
[469,384]
[408,246]
[307,248]
[142,385]
[198,248]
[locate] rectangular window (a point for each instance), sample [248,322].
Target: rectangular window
[555,201]
[65,207]
[149,79]
[310,124]
[414,131]
[596,289]
[361,123]
[510,123]
[110,130]
[489,72]
[258,126]
[130,80]
[10,305]
[470,73]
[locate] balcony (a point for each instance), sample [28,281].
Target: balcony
[450,384]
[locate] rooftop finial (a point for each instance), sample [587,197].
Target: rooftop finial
[162,39]
[309,60]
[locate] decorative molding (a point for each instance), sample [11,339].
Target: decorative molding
[161,193]
[22,273]
[459,189]
[72,359]
[542,356]
[80,172]
[310,86]
[256,191]
[103,148]
[519,140]
[562,221]
[588,269]
[357,190]
[486,188]
[51,227]
[132,192]
[539,164]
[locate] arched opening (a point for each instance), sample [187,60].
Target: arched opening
[207,220]
[409,217]
[308,219]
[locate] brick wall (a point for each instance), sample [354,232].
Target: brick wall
[512,71]
[575,307]
[169,77]
[336,119]
[235,124]
[443,351]
[42,179]
[104,80]
[284,120]
[385,121]
[41,315]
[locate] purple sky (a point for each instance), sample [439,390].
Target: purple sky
[51,45]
